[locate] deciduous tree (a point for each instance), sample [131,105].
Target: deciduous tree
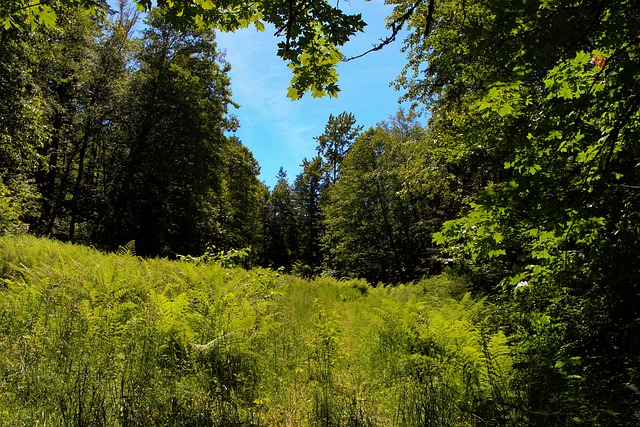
[554,97]
[381,213]
[311,32]
[175,139]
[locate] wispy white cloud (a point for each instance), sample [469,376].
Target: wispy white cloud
[259,83]
[279,131]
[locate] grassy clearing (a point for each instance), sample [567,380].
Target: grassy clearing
[93,339]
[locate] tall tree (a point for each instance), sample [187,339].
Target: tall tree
[23,126]
[239,207]
[178,101]
[307,190]
[99,153]
[339,133]
[65,72]
[553,87]
[377,215]
[281,230]
[69,74]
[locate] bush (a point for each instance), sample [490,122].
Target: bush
[16,199]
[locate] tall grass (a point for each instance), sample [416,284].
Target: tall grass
[93,339]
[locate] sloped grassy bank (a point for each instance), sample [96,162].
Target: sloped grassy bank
[93,339]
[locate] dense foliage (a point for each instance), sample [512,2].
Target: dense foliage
[312,32]
[106,340]
[548,93]
[379,223]
[124,138]
[523,188]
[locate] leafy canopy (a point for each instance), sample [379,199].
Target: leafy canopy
[312,32]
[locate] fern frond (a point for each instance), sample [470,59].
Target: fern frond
[128,249]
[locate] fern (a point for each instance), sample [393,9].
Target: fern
[115,340]
[128,249]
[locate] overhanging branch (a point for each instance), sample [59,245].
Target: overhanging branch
[397,25]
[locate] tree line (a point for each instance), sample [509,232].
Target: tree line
[110,137]
[367,205]
[118,130]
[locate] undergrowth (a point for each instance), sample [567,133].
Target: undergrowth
[94,339]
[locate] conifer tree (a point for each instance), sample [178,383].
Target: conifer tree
[307,194]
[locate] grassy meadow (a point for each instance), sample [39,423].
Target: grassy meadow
[95,339]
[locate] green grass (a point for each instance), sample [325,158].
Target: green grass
[93,339]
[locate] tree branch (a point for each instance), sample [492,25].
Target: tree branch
[294,9]
[24,7]
[396,27]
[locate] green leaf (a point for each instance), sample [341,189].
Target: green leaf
[439,239]
[534,169]
[540,254]
[293,93]
[565,92]
[505,110]
[47,16]
[496,252]
[555,134]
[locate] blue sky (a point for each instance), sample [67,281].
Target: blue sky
[279,131]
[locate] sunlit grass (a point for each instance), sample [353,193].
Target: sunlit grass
[88,338]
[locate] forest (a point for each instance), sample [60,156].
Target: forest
[480,270]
